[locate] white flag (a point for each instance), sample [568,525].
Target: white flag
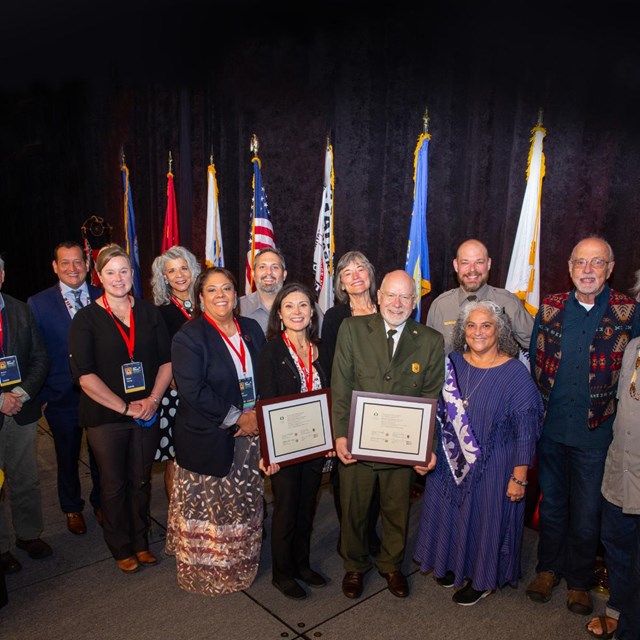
[523,278]
[213,253]
[323,253]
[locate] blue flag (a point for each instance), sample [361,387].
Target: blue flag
[417,265]
[130,232]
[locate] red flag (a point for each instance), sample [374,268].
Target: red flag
[170,233]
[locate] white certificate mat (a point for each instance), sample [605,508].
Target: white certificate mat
[295,428]
[391,428]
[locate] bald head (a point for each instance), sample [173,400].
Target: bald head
[472,264]
[397,297]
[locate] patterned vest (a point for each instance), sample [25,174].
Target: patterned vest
[605,353]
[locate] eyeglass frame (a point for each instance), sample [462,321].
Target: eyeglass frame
[581,263]
[403,297]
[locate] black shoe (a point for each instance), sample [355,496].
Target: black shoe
[37,548]
[447,580]
[468,596]
[312,578]
[9,563]
[290,588]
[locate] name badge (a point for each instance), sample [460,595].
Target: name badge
[9,371]
[133,377]
[248,393]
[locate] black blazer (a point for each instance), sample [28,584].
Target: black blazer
[208,389]
[277,372]
[24,341]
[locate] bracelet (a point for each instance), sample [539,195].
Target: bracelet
[522,483]
[126,409]
[154,399]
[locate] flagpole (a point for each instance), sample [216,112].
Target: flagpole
[254,148]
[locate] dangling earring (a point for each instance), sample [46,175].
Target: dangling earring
[235,303]
[166,280]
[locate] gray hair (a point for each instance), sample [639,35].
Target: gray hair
[161,288]
[353,256]
[506,341]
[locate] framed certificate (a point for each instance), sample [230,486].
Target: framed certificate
[391,428]
[295,428]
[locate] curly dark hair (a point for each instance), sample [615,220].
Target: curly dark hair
[506,341]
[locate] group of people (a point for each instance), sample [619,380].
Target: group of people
[178,381]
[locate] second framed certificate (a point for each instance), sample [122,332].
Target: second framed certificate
[391,428]
[295,428]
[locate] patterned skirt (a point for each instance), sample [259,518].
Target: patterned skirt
[168,408]
[214,525]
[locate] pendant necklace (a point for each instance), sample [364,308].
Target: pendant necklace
[465,400]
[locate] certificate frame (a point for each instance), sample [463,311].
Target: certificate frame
[282,438]
[393,429]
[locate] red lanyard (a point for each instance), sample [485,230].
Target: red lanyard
[308,371]
[129,340]
[181,307]
[242,356]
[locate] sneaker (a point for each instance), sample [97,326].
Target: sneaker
[312,578]
[447,580]
[468,596]
[37,548]
[541,587]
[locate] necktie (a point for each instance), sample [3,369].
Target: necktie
[77,294]
[390,334]
[472,298]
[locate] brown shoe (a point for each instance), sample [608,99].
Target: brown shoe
[128,565]
[352,584]
[146,558]
[579,602]
[397,583]
[75,523]
[540,589]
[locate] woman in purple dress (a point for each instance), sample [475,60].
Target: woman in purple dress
[489,419]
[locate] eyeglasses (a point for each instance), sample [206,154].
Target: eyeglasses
[405,298]
[596,263]
[632,388]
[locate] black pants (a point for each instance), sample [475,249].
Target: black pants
[124,452]
[295,493]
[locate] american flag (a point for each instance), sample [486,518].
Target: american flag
[261,233]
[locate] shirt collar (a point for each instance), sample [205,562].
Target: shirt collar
[398,329]
[66,289]
[481,293]
[1,302]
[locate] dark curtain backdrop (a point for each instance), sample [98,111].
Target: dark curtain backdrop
[78,90]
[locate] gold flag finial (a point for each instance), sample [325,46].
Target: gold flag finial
[122,162]
[425,121]
[540,114]
[254,144]
[170,163]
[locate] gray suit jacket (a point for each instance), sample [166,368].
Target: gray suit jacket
[24,341]
[361,363]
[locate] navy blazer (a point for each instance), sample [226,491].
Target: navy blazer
[24,341]
[208,389]
[53,319]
